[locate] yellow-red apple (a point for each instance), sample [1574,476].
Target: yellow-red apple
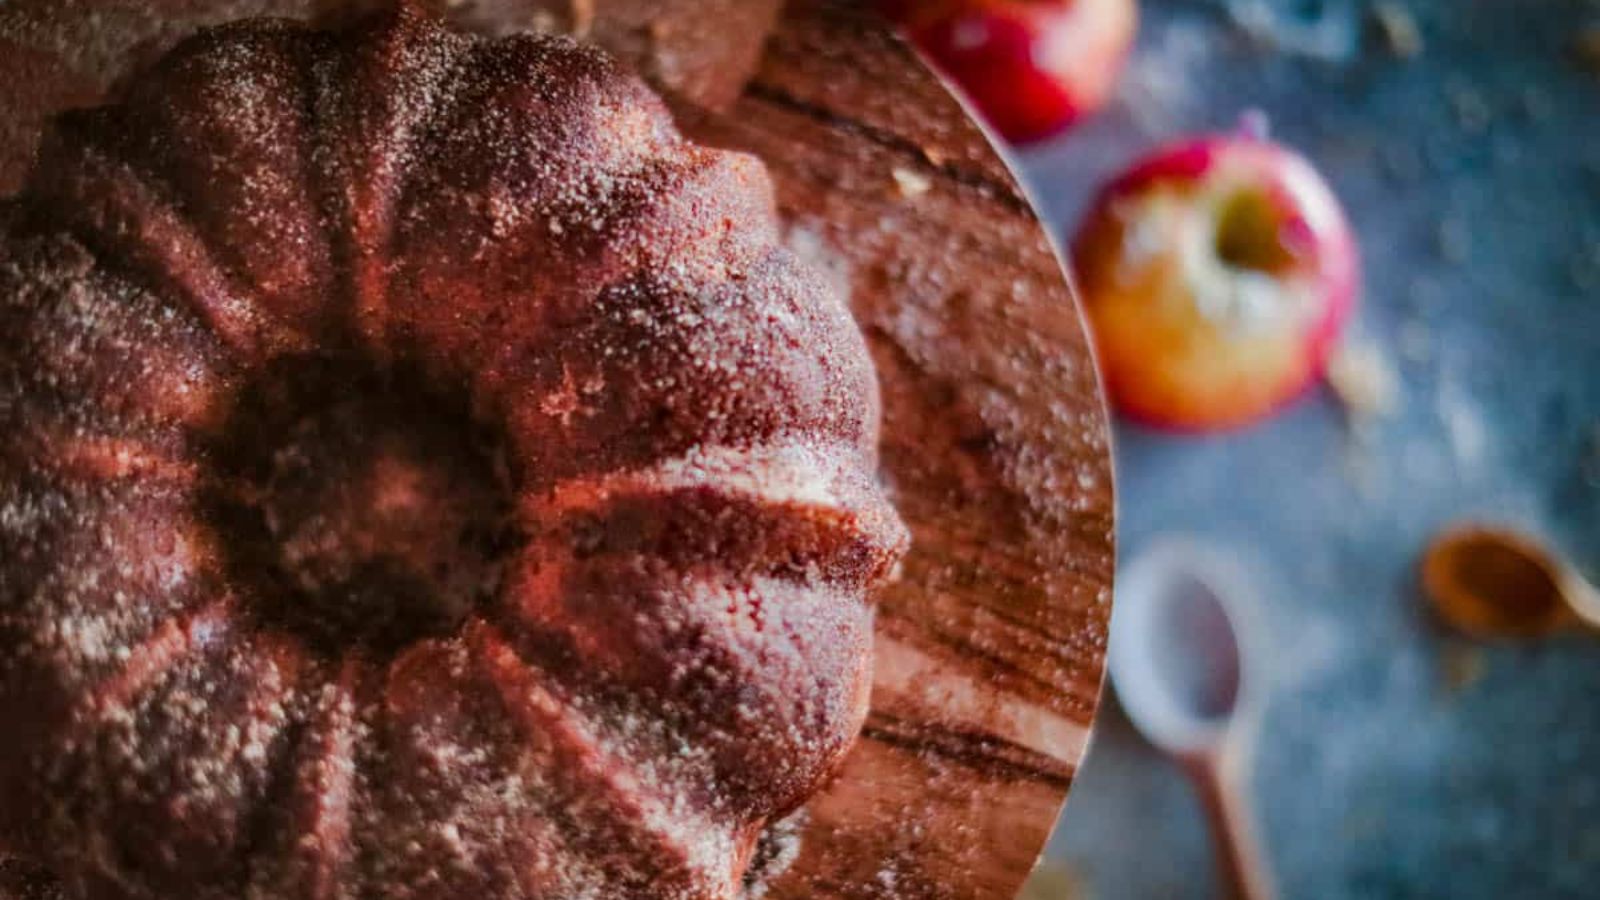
[1217,274]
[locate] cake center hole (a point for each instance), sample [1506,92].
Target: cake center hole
[364,510]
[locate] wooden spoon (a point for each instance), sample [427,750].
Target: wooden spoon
[1496,582]
[1180,658]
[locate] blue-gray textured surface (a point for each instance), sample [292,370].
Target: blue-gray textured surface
[1394,760]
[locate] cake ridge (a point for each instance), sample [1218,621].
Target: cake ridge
[369,187]
[598,764]
[323,844]
[124,220]
[444,483]
[222,124]
[150,661]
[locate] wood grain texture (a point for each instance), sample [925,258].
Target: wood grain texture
[990,649]
[991,646]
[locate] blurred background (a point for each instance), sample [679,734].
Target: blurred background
[1395,756]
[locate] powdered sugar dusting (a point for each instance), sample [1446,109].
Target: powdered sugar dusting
[799,474]
[521,224]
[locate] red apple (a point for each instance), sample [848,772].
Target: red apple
[1217,274]
[1032,67]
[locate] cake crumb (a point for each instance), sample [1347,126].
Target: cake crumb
[1586,48]
[583,15]
[1466,434]
[1415,342]
[1460,667]
[1399,29]
[1453,241]
[776,851]
[1364,379]
[1590,465]
[911,184]
[1052,880]
[1472,110]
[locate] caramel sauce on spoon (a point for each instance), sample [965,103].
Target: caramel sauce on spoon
[1495,582]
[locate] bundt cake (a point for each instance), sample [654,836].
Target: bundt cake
[423,474]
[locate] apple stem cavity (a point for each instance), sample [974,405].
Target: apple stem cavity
[1249,236]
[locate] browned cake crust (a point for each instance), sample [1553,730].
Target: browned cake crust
[56,54]
[701,50]
[23,881]
[422,475]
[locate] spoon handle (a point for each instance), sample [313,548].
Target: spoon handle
[1241,866]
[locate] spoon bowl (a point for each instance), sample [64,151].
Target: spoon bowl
[1179,655]
[1493,581]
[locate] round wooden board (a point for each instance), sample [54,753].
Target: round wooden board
[991,646]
